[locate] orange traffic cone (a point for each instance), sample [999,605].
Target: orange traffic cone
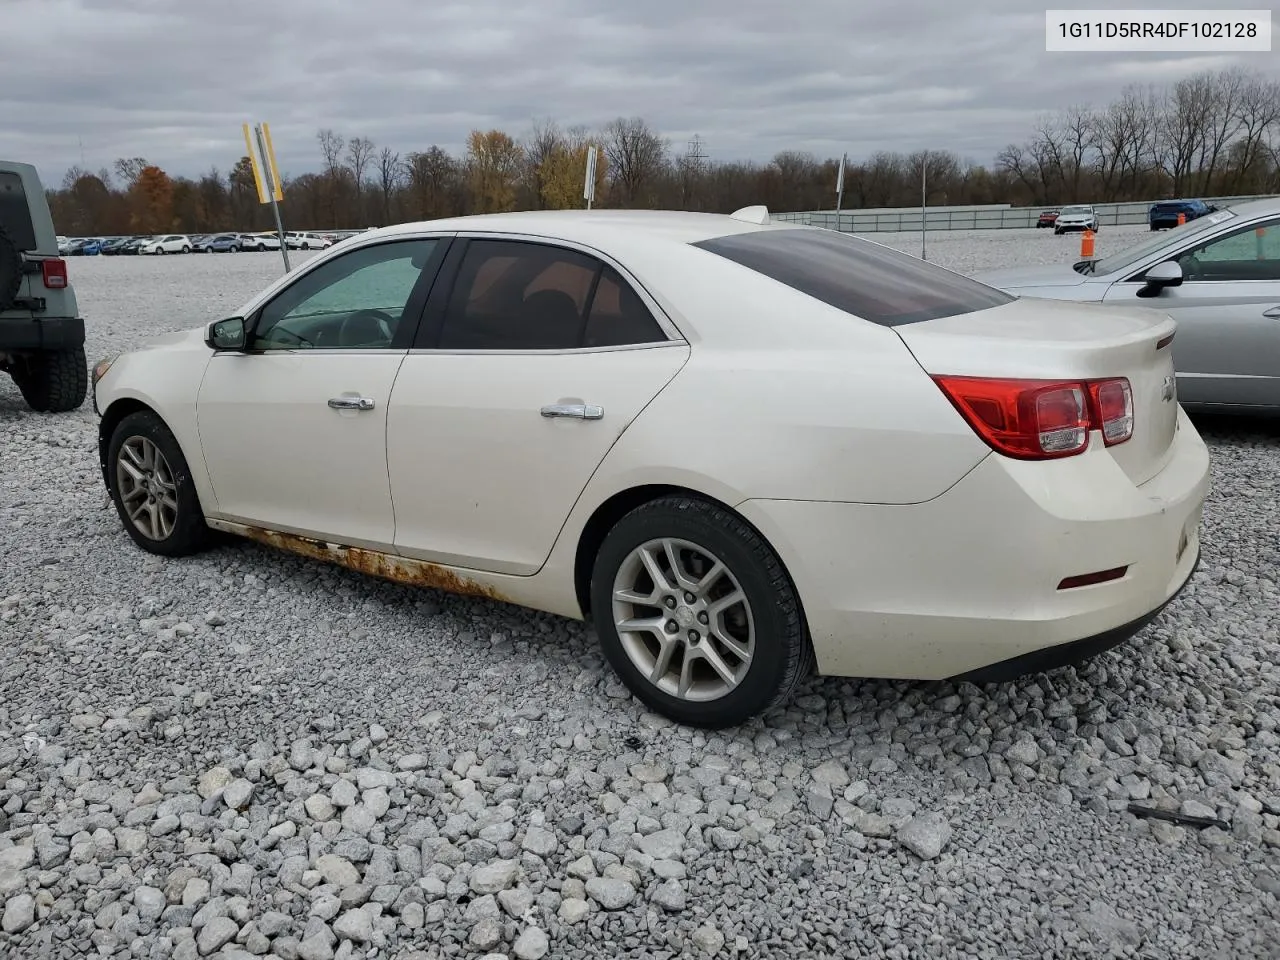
[1086,243]
[1182,218]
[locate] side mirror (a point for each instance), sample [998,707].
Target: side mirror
[228,334]
[1166,274]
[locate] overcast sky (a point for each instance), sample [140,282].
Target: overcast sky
[86,81]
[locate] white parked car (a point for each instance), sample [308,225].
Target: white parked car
[172,243]
[1080,216]
[739,448]
[307,241]
[259,241]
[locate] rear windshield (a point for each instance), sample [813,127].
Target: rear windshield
[858,277]
[15,217]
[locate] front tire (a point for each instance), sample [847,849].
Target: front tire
[151,486]
[696,613]
[53,382]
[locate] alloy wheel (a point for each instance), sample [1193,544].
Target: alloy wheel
[147,488]
[683,619]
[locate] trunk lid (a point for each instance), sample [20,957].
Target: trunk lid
[1052,340]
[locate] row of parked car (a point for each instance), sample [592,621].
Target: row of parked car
[1082,216]
[203,243]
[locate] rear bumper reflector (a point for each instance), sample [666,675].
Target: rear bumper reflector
[1089,579]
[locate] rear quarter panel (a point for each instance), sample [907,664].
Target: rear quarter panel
[784,397]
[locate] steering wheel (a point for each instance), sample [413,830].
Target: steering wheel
[384,320]
[1190,266]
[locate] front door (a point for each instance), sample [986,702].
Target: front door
[294,429]
[1227,347]
[540,358]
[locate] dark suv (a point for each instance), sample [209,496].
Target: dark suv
[41,331]
[1165,213]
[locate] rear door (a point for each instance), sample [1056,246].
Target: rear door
[533,359]
[1227,348]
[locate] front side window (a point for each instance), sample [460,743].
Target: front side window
[1249,254]
[1140,251]
[862,278]
[358,300]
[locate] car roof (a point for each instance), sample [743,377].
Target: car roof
[595,226]
[1256,208]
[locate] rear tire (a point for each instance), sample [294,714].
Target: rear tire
[760,639]
[155,483]
[53,382]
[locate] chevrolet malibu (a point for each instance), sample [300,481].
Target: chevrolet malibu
[742,450]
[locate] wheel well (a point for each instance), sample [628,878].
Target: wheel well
[111,418]
[603,520]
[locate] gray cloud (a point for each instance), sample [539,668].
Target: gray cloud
[173,81]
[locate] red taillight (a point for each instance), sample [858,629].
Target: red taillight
[1113,407]
[1042,419]
[54,272]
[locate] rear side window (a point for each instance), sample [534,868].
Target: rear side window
[618,316]
[15,217]
[865,279]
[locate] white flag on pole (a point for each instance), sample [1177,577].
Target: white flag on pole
[840,175]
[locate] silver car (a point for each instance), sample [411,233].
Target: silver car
[1218,277]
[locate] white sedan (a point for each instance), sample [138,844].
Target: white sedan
[741,449]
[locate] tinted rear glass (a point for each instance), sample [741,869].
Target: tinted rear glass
[858,277]
[15,218]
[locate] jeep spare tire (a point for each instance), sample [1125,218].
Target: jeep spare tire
[10,270]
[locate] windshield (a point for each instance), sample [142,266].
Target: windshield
[1140,251]
[1066,210]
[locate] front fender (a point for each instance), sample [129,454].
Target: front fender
[167,382]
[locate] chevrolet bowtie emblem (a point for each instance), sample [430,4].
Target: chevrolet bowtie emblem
[1167,390]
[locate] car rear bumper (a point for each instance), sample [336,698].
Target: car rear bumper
[45,333]
[971,579]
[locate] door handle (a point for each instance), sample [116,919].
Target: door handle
[578,411]
[351,403]
[1273,313]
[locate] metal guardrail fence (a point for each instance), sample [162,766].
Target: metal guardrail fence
[987,217]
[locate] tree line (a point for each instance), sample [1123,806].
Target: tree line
[1212,134]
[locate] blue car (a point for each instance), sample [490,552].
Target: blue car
[223,243]
[1165,213]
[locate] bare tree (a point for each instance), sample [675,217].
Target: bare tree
[539,147]
[1185,128]
[359,153]
[434,183]
[1221,125]
[637,157]
[331,147]
[128,169]
[1258,112]
[390,173]
[1014,161]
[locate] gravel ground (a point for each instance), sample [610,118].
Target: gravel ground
[250,754]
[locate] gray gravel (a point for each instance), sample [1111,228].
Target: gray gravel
[249,754]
